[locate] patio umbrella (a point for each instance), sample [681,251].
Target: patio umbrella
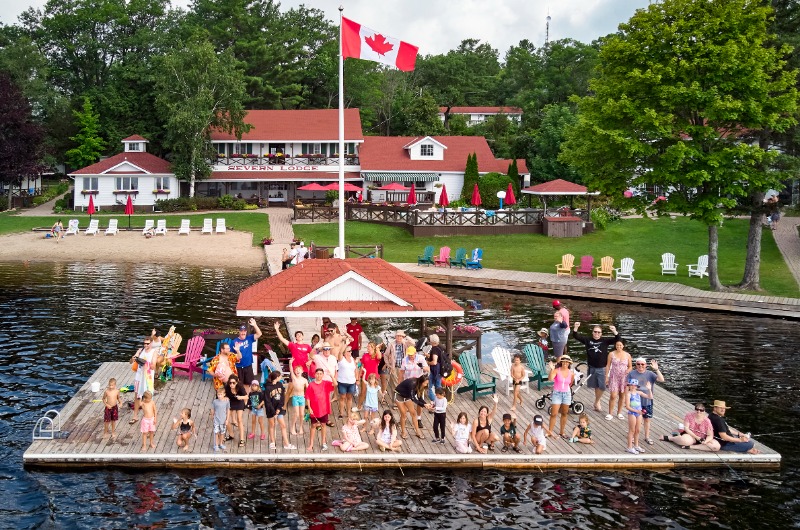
[394,186]
[347,187]
[412,195]
[91,209]
[510,199]
[129,210]
[313,187]
[476,196]
[443,200]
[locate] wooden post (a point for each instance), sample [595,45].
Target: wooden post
[448,334]
[424,326]
[478,348]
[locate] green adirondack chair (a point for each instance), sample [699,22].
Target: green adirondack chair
[427,256]
[472,376]
[460,259]
[534,356]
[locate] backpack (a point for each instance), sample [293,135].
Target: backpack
[445,363]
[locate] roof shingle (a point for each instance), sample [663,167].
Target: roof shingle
[320,125]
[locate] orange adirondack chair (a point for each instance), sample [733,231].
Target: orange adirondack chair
[191,359]
[586,267]
[606,268]
[444,258]
[565,267]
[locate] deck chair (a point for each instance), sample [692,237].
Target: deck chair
[565,267]
[189,362]
[586,267]
[72,227]
[184,229]
[534,357]
[461,258]
[208,226]
[472,377]
[148,225]
[94,225]
[338,253]
[444,257]
[700,268]
[475,262]
[229,342]
[161,227]
[273,356]
[668,265]
[112,227]
[625,271]
[606,268]
[221,225]
[427,256]
[502,365]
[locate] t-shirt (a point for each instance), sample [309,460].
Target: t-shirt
[254,400]
[329,365]
[221,407]
[355,330]
[411,366]
[440,404]
[596,350]
[236,404]
[246,349]
[720,425]
[318,396]
[511,431]
[559,331]
[370,365]
[643,378]
[299,354]
[347,371]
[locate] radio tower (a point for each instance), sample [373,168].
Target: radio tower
[547,30]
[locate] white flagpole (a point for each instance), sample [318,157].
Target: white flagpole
[341,137]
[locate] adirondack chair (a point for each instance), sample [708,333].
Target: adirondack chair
[475,262]
[625,271]
[472,376]
[565,267]
[534,356]
[161,227]
[668,265]
[148,225]
[191,358]
[606,268]
[72,227]
[221,226]
[700,268]
[502,365]
[586,267]
[204,365]
[94,225]
[208,226]
[444,257]
[461,258]
[112,227]
[184,229]
[427,256]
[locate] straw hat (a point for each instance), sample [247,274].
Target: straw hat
[542,332]
[720,405]
[565,358]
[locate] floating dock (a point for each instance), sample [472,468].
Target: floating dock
[81,445]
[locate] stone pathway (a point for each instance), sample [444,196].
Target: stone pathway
[786,237]
[281,232]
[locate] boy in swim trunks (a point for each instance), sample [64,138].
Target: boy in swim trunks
[111,411]
[518,376]
[297,399]
[148,423]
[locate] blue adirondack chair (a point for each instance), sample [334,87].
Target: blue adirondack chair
[427,256]
[472,376]
[534,356]
[460,259]
[475,262]
[204,364]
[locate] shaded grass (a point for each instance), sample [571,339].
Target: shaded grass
[644,240]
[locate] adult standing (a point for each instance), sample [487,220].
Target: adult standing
[698,433]
[298,350]
[393,358]
[435,357]
[347,381]
[734,441]
[618,366]
[597,348]
[236,392]
[222,366]
[370,362]
[243,346]
[412,367]
[644,376]
[286,259]
[408,393]
[329,365]
[144,378]
[355,330]
[561,309]
[559,333]
[561,398]
[292,254]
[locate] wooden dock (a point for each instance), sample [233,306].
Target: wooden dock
[82,419]
[645,292]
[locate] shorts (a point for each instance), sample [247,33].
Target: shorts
[111,414]
[322,420]
[596,378]
[647,411]
[400,399]
[147,425]
[246,375]
[370,409]
[561,398]
[219,428]
[558,348]
[279,412]
[540,440]
[347,388]
[298,401]
[259,413]
[738,447]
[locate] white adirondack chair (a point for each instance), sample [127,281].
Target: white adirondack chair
[700,268]
[502,365]
[668,265]
[625,271]
[208,226]
[72,227]
[161,227]
[148,225]
[184,229]
[221,225]
[94,224]
[112,227]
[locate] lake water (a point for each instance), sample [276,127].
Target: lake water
[58,322]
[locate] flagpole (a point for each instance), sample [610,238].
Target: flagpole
[341,137]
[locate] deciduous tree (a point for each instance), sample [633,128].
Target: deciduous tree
[20,135]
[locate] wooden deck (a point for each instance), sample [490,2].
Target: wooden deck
[83,447]
[645,292]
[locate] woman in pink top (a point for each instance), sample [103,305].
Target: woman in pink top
[369,365]
[697,431]
[561,397]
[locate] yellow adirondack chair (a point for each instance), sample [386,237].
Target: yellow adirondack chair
[565,267]
[606,268]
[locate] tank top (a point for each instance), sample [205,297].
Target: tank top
[560,383]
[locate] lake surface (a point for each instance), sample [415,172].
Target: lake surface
[58,322]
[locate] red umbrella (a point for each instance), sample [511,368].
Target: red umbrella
[412,195]
[476,196]
[91,209]
[313,187]
[129,210]
[510,199]
[347,187]
[394,186]
[443,200]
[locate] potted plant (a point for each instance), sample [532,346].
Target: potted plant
[266,241]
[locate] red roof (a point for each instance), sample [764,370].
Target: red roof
[281,175]
[135,138]
[146,161]
[556,187]
[482,110]
[387,153]
[273,296]
[298,126]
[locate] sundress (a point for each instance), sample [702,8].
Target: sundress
[617,374]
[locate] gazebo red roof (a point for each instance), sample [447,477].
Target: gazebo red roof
[558,187]
[368,288]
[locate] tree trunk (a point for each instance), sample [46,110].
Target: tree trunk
[713,245]
[191,186]
[751,280]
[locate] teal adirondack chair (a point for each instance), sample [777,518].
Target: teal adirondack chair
[472,377]
[460,259]
[427,256]
[534,356]
[475,262]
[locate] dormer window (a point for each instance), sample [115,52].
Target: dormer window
[133,146]
[426,150]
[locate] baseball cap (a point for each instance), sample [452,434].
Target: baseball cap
[538,420]
[506,417]
[556,303]
[242,328]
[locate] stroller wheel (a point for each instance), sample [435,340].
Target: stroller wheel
[577,407]
[540,403]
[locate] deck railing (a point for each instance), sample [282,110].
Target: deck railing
[275,160]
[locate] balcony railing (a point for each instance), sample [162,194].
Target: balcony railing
[275,160]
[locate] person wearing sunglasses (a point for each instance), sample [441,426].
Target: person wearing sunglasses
[697,432]
[645,376]
[597,348]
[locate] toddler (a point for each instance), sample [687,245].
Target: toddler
[518,376]
[582,433]
[373,390]
[185,429]
[439,416]
[538,438]
[148,423]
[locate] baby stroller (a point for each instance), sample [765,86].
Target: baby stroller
[581,371]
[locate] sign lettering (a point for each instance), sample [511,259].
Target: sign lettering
[270,168]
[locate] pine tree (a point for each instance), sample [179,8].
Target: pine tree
[513,174]
[470,177]
[90,144]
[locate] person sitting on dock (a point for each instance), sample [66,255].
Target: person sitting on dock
[508,431]
[697,431]
[386,437]
[318,397]
[729,440]
[351,436]
[597,348]
[482,428]
[244,355]
[646,378]
[298,350]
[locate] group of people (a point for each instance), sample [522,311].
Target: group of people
[294,255]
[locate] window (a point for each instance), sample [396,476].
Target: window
[426,150]
[127,183]
[162,183]
[316,149]
[133,146]
[90,184]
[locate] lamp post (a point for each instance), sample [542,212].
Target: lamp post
[501,195]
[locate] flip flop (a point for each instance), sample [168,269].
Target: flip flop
[132,421]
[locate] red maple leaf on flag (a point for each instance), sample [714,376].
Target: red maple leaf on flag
[378,43]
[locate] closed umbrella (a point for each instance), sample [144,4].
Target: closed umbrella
[129,210]
[91,209]
[476,196]
[443,200]
[412,195]
[510,199]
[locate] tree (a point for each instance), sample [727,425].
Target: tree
[488,185]
[90,144]
[416,116]
[676,89]
[20,136]
[513,174]
[200,91]
[471,177]
[543,145]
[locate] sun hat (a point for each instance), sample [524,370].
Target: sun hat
[556,303]
[633,382]
[720,404]
[325,345]
[538,420]
[565,358]
[411,350]
[542,332]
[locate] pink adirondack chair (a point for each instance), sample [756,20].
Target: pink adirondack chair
[191,359]
[585,269]
[444,258]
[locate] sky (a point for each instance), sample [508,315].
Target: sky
[437,26]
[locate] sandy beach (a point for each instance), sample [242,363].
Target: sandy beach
[230,250]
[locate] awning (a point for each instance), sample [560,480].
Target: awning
[376,176]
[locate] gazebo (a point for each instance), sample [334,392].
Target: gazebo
[560,187]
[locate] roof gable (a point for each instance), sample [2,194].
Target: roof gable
[138,162]
[415,142]
[349,287]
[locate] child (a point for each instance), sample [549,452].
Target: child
[461,433]
[538,438]
[111,412]
[386,437]
[371,400]
[298,399]
[509,434]
[582,433]
[185,429]
[518,376]
[148,423]
[275,403]
[220,412]
[255,403]
[542,341]
[352,438]
[439,416]
[633,403]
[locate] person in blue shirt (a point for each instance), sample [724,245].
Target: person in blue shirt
[243,346]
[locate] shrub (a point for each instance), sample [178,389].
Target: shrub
[331,195]
[251,207]
[3,202]
[489,185]
[51,193]
[225,202]
[239,204]
[206,203]
[601,217]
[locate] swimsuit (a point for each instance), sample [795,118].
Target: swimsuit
[185,427]
[148,425]
[636,404]
[478,429]
[298,401]
[111,414]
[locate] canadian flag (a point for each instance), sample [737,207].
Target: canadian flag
[363,43]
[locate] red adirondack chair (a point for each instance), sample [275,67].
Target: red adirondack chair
[191,359]
[444,258]
[585,269]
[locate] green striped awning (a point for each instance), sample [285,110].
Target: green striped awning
[376,176]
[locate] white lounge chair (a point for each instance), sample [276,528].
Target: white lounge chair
[72,227]
[112,227]
[668,265]
[161,227]
[208,226]
[94,224]
[184,229]
[221,225]
[148,225]
[625,272]
[700,268]
[502,365]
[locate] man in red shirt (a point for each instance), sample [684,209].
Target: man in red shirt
[317,395]
[355,330]
[297,349]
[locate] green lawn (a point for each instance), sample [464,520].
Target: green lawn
[644,240]
[255,222]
